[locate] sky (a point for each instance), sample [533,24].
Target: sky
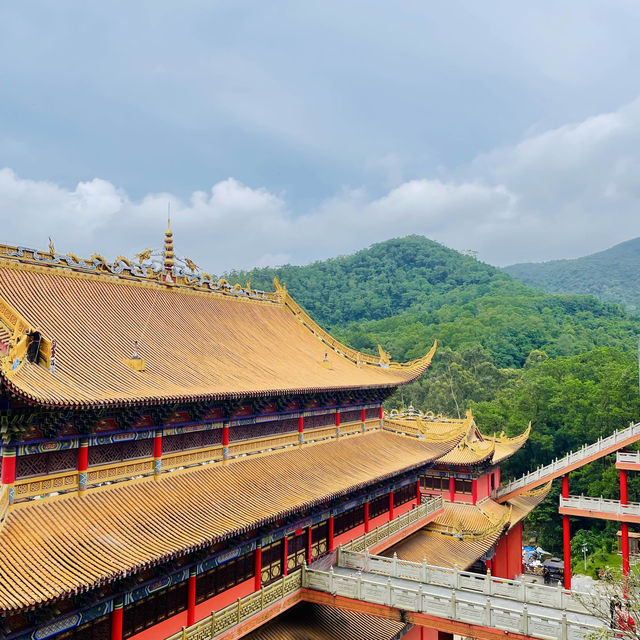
[286,132]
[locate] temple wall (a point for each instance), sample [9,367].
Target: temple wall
[507,563]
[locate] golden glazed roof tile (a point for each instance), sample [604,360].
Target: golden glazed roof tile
[55,547]
[307,621]
[463,533]
[195,343]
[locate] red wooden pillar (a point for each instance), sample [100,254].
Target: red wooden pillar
[488,563]
[474,490]
[366,517]
[624,499]
[191,597]
[301,429]
[116,620]
[157,452]
[566,536]
[9,470]
[497,477]
[83,464]
[363,419]
[380,415]
[338,423]
[257,567]
[285,555]
[452,489]
[225,440]
[309,541]
[418,494]
[331,540]
[390,506]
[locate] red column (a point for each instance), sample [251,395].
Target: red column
[9,469]
[338,422]
[452,489]
[331,540]
[285,555]
[191,598]
[83,463]
[301,429]
[624,499]
[497,477]
[474,490]
[309,540]
[116,620]
[257,567]
[566,536]
[157,452]
[363,419]
[380,414]
[366,517]
[488,563]
[225,440]
[418,494]
[390,506]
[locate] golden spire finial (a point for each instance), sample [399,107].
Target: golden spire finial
[168,249]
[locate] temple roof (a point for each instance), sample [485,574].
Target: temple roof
[50,548]
[472,446]
[464,532]
[307,621]
[123,335]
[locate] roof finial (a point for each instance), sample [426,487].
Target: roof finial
[168,249]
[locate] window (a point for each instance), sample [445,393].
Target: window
[378,506]
[227,575]
[348,520]
[434,483]
[404,494]
[463,486]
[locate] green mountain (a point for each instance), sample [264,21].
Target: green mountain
[406,292]
[611,275]
[510,352]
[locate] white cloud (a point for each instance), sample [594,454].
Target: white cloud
[563,192]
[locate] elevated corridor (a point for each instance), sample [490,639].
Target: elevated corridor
[460,602]
[602,508]
[573,460]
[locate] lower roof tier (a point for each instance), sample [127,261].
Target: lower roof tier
[54,547]
[307,621]
[463,533]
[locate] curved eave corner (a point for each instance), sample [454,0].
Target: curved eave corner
[413,368]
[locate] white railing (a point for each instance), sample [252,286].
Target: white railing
[629,457]
[604,505]
[388,529]
[454,605]
[558,465]
[425,574]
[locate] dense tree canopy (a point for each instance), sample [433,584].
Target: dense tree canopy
[512,353]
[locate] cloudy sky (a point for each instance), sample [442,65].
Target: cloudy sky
[292,131]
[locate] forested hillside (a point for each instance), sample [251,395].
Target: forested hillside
[512,353]
[611,275]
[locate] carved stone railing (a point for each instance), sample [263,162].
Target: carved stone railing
[604,505]
[386,530]
[220,621]
[602,446]
[628,457]
[525,592]
[453,603]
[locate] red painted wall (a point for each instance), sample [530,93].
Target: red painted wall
[483,483]
[507,562]
[172,625]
